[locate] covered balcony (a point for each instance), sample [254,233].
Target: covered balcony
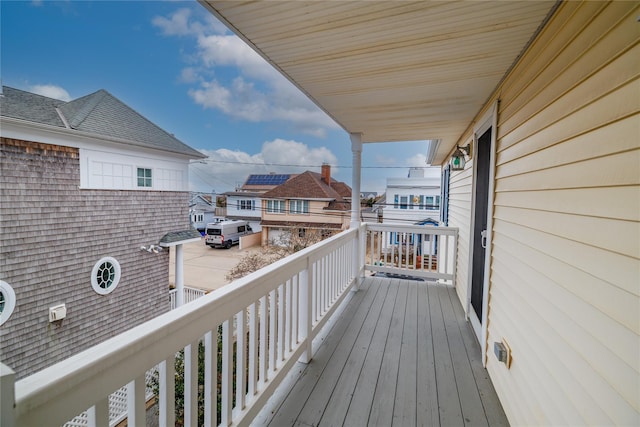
[542,97]
[362,328]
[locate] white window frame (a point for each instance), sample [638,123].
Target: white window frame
[9,301]
[276,206]
[145,178]
[299,207]
[245,205]
[96,285]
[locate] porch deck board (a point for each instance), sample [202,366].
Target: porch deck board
[400,354]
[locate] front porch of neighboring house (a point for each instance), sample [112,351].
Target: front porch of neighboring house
[331,332]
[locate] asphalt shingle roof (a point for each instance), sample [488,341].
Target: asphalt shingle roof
[308,185]
[98,113]
[180,236]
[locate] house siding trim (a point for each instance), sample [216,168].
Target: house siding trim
[488,121]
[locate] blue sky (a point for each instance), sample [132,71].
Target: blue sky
[175,64]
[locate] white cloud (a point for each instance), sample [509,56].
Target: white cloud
[51,91]
[181,24]
[256,92]
[189,75]
[385,160]
[242,100]
[226,169]
[417,160]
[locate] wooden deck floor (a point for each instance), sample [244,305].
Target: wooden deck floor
[400,354]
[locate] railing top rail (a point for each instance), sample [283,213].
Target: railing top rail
[424,229]
[115,362]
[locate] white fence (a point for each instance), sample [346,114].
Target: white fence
[267,320]
[190,294]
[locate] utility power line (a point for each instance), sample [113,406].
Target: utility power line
[233,162]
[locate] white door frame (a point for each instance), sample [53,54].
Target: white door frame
[489,120]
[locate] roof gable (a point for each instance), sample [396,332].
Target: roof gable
[99,113]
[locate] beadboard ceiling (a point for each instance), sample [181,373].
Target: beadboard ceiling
[393,71]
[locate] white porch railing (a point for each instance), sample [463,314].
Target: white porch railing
[252,332]
[268,321]
[190,294]
[422,251]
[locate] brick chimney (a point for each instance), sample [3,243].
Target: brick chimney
[326,173]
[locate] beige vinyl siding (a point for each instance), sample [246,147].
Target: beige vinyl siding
[460,190]
[565,266]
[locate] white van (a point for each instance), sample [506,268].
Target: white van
[223,234]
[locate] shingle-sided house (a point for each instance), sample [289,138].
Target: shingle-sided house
[308,201]
[246,202]
[83,186]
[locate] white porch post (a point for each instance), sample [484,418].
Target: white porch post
[356,149]
[179,276]
[7,396]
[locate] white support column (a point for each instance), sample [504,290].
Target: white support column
[179,276]
[7,396]
[356,149]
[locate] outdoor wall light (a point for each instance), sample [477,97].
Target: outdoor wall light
[458,158]
[151,248]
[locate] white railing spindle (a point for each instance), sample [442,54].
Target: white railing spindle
[263,364]
[253,351]
[136,413]
[241,346]
[227,373]
[98,414]
[210,378]
[191,385]
[167,390]
[273,332]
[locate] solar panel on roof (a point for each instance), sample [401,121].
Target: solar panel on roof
[267,179]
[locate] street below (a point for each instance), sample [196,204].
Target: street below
[205,268]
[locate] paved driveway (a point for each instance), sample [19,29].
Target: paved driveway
[204,267]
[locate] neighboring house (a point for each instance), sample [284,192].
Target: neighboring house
[366,195]
[374,213]
[201,211]
[308,201]
[90,191]
[246,202]
[414,199]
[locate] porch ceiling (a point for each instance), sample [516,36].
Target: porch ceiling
[394,71]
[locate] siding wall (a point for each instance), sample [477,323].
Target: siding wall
[460,196]
[53,233]
[565,267]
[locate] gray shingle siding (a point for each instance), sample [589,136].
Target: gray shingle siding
[53,233]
